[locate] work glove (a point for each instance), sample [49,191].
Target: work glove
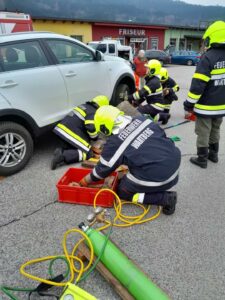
[97,147]
[188,110]
[166,92]
[189,115]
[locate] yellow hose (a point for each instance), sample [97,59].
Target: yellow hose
[124,221]
[70,258]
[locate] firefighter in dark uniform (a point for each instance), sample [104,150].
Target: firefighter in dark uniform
[170,87]
[77,130]
[152,158]
[207,95]
[150,98]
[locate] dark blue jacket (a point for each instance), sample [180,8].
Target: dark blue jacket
[152,158]
[78,127]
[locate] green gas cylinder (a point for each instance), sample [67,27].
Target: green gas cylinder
[135,281]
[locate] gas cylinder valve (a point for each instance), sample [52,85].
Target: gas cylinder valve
[98,216]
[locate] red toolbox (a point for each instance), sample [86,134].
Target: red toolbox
[83,195]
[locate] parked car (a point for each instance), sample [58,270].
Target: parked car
[183,57]
[42,77]
[162,56]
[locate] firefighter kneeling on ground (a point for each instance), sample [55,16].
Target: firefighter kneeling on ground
[170,87]
[77,130]
[152,94]
[207,95]
[153,159]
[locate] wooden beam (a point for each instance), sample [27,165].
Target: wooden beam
[109,277]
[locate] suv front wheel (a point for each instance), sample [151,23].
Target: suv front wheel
[122,90]
[16,148]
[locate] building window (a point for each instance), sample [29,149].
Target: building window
[189,46]
[145,44]
[77,37]
[173,42]
[182,44]
[154,43]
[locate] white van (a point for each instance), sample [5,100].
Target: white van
[114,48]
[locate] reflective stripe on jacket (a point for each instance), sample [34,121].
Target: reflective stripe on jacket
[207,91]
[152,158]
[151,92]
[78,128]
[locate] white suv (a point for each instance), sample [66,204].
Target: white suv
[42,77]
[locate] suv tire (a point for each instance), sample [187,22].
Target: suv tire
[121,91]
[16,148]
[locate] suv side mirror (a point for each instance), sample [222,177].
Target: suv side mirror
[98,55]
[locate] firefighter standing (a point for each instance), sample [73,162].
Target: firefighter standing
[152,158]
[207,95]
[149,99]
[77,130]
[170,87]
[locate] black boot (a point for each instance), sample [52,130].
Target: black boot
[201,159]
[164,118]
[170,207]
[213,152]
[58,159]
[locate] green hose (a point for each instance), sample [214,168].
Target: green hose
[85,276]
[6,290]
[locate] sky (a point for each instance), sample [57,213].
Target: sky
[206,2]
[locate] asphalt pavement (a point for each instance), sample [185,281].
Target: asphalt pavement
[183,254]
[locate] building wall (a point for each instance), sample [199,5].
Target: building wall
[116,31]
[180,34]
[68,28]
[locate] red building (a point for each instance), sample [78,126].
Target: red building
[137,36]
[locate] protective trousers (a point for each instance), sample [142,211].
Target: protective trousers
[148,109]
[207,131]
[71,154]
[151,195]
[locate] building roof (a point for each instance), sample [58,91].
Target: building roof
[119,23]
[132,25]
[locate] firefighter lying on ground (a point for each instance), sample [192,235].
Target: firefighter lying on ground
[77,130]
[170,87]
[152,158]
[149,99]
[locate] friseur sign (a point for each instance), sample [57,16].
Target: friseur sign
[131,32]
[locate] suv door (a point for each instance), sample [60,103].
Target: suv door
[30,83]
[85,77]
